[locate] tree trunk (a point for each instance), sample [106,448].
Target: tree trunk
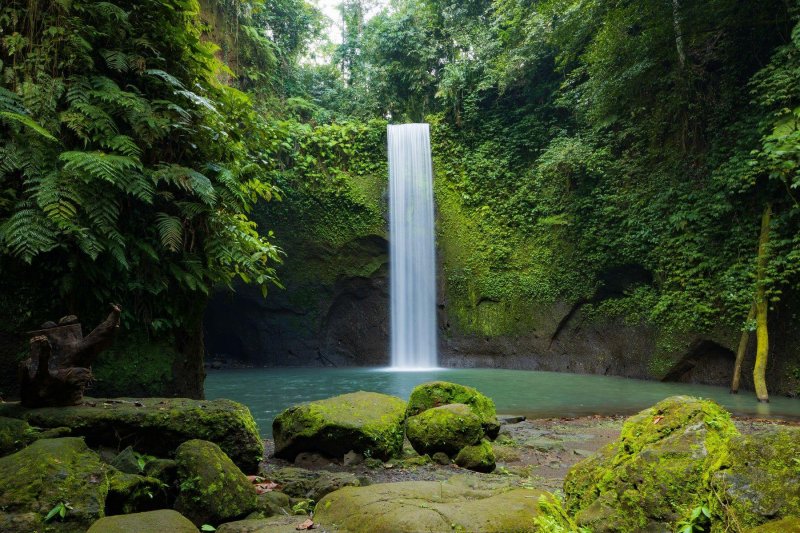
[762,333]
[740,351]
[676,22]
[188,371]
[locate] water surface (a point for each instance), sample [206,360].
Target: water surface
[268,391]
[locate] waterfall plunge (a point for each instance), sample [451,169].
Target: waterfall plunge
[413,260]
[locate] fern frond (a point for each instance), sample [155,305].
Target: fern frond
[187,179]
[26,121]
[116,60]
[122,144]
[11,102]
[170,230]
[28,233]
[99,165]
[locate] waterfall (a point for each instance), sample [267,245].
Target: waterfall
[413,260]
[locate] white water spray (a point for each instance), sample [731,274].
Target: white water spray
[413,260]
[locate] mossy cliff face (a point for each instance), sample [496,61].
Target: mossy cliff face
[332,223]
[365,422]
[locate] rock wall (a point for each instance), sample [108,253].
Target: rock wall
[506,299]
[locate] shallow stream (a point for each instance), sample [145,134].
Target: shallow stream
[268,391]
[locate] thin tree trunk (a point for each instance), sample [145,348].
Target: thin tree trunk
[762,333]
[740,351]
[676,22]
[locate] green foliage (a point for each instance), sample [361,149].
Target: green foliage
[128,169]
[699,519]
[59,511]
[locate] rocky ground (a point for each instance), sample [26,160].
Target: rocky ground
[536,452]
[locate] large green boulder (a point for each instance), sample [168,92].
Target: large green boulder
[446,429]
[656,472]
[759,479]
[162,521]
[212,489]
[155,426]
[366,422]
[437,393]
[413,506]
[45,474]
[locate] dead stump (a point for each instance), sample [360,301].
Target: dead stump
[59,367]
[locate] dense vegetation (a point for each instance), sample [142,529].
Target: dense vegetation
[577,143]
[580,144]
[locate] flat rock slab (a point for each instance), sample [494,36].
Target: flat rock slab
[156,426]
[459,504]
[162,521]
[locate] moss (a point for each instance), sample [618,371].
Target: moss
[436,393]
[149,522]
[479,457]
[14,434]
[134,366]
[131,493]
[212,488]
[446,429]
[784,525]
[656,472]
[758,479]
[366,422]
[156,425]
[51,471]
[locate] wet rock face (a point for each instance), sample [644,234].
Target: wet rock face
[365,422]
[334,311]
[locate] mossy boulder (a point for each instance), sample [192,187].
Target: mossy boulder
[760,477]
[212,488]
[273,503]
[275,524]
[162,521]
[785,525]
[414,506]
[155,426]
[165,470]
[132,493]
[437,393]
[446,429]
[14,435]
[656,472]
[365,422]
[479,457]
[48,472]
